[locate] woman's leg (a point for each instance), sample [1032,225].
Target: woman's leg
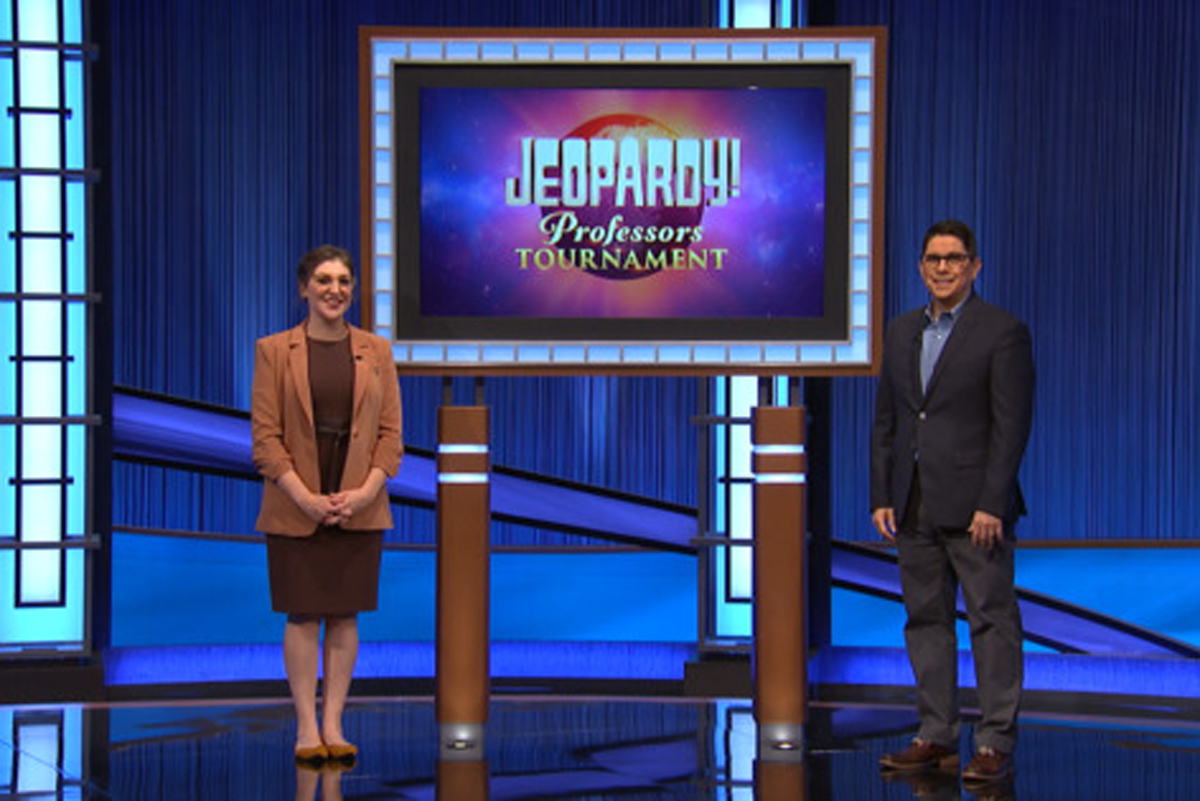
[341,651]
[331,785]
[301,638]
[306,783]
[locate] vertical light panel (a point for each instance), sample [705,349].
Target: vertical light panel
[739,521]
[45,297]
[731,520]
[752,13]
[760,13]
[732,748]
[732,516]
[38,752]
[731,590]
[46,758]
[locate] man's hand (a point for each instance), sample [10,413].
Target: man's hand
[986,530]
[884,520]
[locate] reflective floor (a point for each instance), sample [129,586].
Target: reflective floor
[565,747]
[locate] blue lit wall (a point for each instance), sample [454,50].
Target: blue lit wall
[630,597]
[999,113]
[233,182]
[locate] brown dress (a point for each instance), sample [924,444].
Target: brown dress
[335,571]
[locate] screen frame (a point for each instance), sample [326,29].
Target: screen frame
[864,48]
[832,79]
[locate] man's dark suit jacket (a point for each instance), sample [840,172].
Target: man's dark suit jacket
[966,433]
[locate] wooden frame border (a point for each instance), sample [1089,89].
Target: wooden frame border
[875,36]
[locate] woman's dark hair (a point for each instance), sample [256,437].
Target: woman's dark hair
[314,258]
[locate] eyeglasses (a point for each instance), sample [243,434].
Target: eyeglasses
[955,260]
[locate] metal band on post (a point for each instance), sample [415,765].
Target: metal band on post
[780,651]
[463,509]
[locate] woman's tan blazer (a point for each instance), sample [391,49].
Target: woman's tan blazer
[284,438]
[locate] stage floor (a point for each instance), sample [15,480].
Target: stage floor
[542,746]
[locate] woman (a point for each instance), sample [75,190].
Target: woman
[325,419]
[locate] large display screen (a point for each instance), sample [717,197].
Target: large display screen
[621,202]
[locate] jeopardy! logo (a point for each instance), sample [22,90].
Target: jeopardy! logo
[622,196]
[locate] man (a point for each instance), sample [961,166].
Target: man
[952,417]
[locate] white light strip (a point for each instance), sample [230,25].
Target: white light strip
[778,450]
[779,478]
[462,449]
[462,478]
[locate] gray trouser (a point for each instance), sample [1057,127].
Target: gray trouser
[933,563]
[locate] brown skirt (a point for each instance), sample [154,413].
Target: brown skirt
[333,572]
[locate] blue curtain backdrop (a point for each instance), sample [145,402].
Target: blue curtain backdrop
[1068,134]
[234,148]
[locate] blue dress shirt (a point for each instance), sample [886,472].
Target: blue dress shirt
[934,336]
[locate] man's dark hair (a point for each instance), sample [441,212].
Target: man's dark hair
[314,258]
[956,228]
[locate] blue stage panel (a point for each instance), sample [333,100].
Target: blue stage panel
[174,591]
[166,432]
[1090,601]
[1124,620]
[1152,588]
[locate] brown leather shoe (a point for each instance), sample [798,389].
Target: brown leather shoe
[921,755]
[988,766]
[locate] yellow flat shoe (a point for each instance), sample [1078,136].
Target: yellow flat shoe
[342,752]
[313,756]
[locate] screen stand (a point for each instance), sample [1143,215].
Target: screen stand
[461,647]
[778,658]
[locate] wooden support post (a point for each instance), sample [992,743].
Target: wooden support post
[780,650]
[461,780]
[463,511]
[780,781]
